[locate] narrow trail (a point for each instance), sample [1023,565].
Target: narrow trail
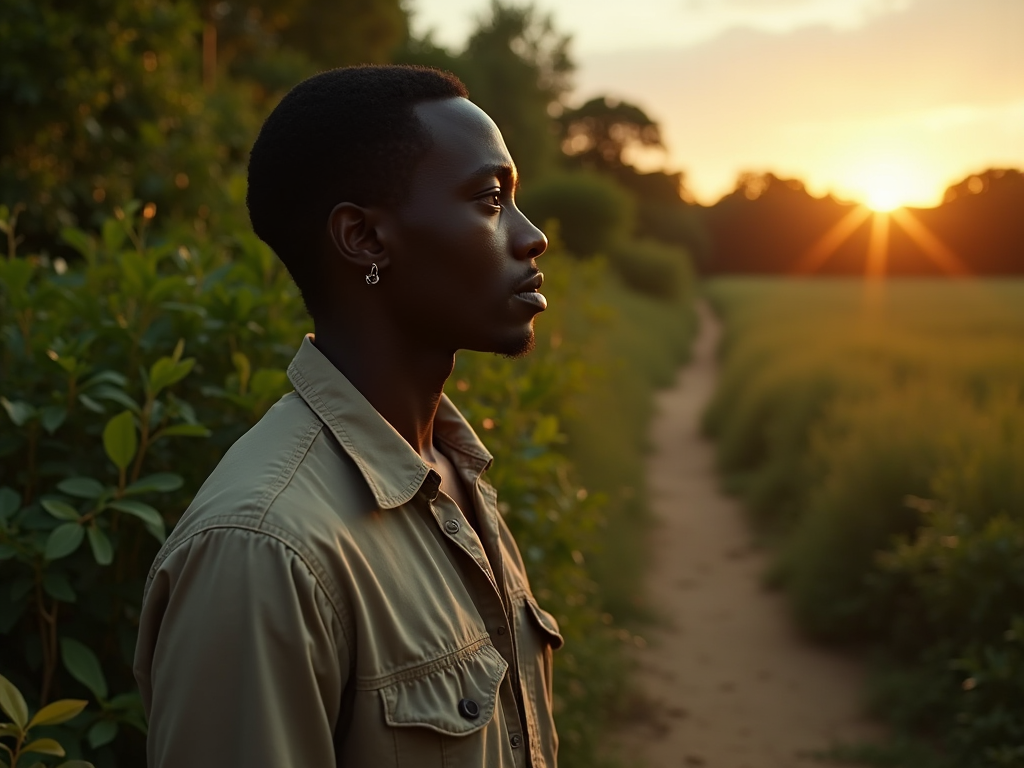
[725,680]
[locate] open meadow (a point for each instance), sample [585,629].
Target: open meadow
[875,431]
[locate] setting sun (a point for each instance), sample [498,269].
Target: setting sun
[883,199]
[884,185]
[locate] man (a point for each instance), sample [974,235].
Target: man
[342,590]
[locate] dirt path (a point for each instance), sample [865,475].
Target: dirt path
[725,681]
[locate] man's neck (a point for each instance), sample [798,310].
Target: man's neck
[403,384]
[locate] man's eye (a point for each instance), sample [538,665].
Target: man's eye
[493,199]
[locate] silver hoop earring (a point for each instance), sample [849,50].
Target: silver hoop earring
[374,277]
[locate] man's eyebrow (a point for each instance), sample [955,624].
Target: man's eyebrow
[504,172]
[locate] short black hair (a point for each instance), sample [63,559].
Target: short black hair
[345,135]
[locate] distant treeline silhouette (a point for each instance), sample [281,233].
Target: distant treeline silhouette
[769,225]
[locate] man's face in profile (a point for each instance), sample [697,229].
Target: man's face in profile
[464,275]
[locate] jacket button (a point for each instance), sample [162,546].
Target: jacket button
[451,526]
[515,740]
[469,709]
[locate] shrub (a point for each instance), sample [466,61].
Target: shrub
[880,437]
[592,211]
[651,268]
[126,374]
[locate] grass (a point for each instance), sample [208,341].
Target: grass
[876,432]
[639,345]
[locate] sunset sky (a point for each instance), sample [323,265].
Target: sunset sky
[883,100]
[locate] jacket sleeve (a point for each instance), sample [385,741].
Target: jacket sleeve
[241,657]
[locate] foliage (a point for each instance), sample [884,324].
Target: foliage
[878,434]
[516,67]
[93,355]
[601,131]
[149,344]
[652,268]
[12,703]
[592,211]
[97,113]
[636,344]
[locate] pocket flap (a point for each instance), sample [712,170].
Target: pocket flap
[433,700]
[547,624]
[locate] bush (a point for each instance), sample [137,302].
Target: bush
[592,211]
[880,439]
[126,374]
[652,268]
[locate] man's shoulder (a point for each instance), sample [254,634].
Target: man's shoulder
[287,476]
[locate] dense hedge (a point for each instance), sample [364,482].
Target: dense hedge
[877,435]
[124,376]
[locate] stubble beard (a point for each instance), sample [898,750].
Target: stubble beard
[521,347]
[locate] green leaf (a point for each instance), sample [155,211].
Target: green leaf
[91,404]
[185,430]
[114,234]
[60,510]
[10,502]
[83,665]
[161,482]
[102,549]
[79,240]
[82,487]
[144,512]
[9,729]
[67,364]
[18,411]
[108,392]
[13,703]
[7,551]
[120,440]
[105,377]
[57,585]
[242,365]
[76,764]
[63,541]
[102,733]
[44,747]
[58,712]
[166,372]
[52,416]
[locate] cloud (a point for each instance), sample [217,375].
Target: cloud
[936,88]
[610,25]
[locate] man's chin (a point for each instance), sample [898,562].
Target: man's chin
[513,346]
[522,349]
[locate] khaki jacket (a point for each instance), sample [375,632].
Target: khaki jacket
[321,603]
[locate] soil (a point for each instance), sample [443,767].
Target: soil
[723,679]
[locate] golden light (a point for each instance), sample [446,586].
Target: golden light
[887,187]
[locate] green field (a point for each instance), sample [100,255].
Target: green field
[876,432]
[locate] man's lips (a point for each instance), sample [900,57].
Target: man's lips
[533,283]
[528,291]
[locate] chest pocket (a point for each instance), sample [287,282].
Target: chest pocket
[446,715]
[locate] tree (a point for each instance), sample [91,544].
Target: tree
[598,134]
[517,69]
[98,113]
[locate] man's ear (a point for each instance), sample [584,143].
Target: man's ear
[353,231]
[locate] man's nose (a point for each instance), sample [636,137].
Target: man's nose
[530,241]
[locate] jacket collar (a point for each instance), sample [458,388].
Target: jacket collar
[392,469]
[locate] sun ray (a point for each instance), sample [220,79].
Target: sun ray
[878,247]
[941,255]
[827,244]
